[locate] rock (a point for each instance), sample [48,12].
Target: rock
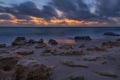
[19,41]
[25,52]
[53,42]
[96,49]
[77,78]
[82,38]
[47,52]
[40,45]
[72,64]
[91,58]
[2,45]
[66,47]
[41,41]
[32,70]
[107,74]
[111,44]
[8,63]
[82,46]
[111,34]
[31,41]
[71,53]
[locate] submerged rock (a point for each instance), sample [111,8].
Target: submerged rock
[53,42]
[41,41]
[19,41]
[82,38]
[111,34]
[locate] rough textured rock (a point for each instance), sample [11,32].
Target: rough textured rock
[66,47]
[31,41]
[72,64]
[82,38]
[76,78]
[40,45]
[25,69]
[41,41]
[2,45]
[111,44]
[53,42]
[111,34]
[107,74]
[19,41]
[32,70]
[71,53]
[25,52]
[97,49]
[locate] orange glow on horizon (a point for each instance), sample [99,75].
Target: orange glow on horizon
[53,22]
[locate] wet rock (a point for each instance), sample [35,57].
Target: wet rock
[111,44]
[19,41]
[72,64]
[40,45]
[8,63]
[107,74]
[32,70]
[111,34]
[47,52]
[25,52]
[91,58]
[96,49]
[82,38]
[66,47]
[41,41]
[2,45]
[77,78]
[82,46]
[53,42]
[71,53]
[31,41]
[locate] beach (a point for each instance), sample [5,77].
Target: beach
[71,58]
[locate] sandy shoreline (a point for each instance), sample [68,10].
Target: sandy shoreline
[91,60]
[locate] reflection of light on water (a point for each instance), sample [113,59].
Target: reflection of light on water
[66,41]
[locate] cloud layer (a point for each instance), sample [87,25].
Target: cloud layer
[63,11]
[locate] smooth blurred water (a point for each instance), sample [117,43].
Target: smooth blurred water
[8,34]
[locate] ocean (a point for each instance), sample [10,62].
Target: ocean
[8,34]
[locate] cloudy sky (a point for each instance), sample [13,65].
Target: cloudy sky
[59,12]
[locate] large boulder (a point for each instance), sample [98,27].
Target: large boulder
[82,38]
[19,41]
[111,34]
[32,70]
[53,42]
[25,69]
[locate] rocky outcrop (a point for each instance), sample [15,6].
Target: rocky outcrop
[53,42]
[41,41]
[82,38]
[96,49]
[2,45]
[66,47]
[25,52]
[40,45]
[31,41]
[111,44]
[25,69]
[19,41]
[111,34]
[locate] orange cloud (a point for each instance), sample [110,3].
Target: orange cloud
[53,22]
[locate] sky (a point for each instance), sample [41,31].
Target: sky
[59,13]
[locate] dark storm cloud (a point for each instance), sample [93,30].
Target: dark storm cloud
[108,8]
[29,8]
[73,9]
